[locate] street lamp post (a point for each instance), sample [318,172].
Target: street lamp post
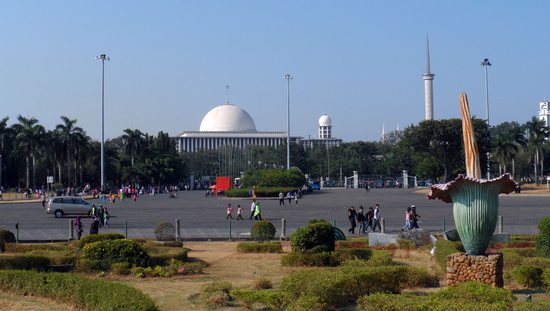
[288,77]
[102,58]
[486,63]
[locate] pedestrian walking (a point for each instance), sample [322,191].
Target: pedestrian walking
[281,198]
[414,217]
[78,227]
[407,225]
[229,211]
[106,218]
[296,198]
[289,197]
[352,214]
[258,212]
[239,212]
[43,200]
[361,220]
[94,227]
[369,217]
[376,219]
[252,208]
[100,215]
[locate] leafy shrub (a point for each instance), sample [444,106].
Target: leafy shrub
[443,248]
[111,251]
[307,303]
[216,294]
[7,236]
[528,276]
[120,268]
[236,193]
[296,259]
[24,262]
[272,299]
[2,246]
[262,283]
[81,292]
[344,286]
[174,267]
[313,237]
[543,240]
[391,302]
[99,237]
[352,254]
[262,230]
[406,244]
[475,292]
[165,231]
[546,279]
[163,259]
[26,248]
[259,247]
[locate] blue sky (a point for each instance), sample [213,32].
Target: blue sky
[360,62]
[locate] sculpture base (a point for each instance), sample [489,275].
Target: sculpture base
[462,267]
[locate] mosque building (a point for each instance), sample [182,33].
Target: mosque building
[229,124]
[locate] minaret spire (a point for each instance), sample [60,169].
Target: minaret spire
[227,94]
[427,55]
[383,137]
[428,78]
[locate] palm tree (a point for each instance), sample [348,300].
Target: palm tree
[82,148]
[537,133]
[134,142]
[68,132]
[28,137]
[4,132]
[504,151]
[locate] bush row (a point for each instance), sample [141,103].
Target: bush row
[25,248]
[530,273]
[259,247]
[543,240]
[24,262]
[465,296]
[83,293]
[324,259]
[107,252]
[344,286]
[163,259]
[261,192]
[99,237]
[174,267]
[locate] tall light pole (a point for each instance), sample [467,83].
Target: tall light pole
[288,77]
[102,58]
[485,63]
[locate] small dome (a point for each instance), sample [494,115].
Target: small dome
[227,118]
[325,120]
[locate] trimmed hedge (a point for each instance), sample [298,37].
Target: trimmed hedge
[174,267]
[163,259]
[216,294]
[543,240]
[274,178]
[270,298]
[99,237]
[259,247]
[297,259]
[83,293]
[105,253]
[352,254]
[24,262]
[314,237]
[261,192]
[7,236]
[262,230]
[25,248]
[464,296]
[527,276]
[335,288]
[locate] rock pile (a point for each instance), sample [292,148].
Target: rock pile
[462,267]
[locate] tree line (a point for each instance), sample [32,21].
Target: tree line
[430,150]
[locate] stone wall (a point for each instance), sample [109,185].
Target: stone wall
[462,267]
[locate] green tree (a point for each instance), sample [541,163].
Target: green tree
[69,133]
[29,135]
[133,143]
[536,144]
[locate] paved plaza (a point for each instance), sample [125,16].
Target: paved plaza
[204,217]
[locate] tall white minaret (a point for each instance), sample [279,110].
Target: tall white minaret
[428,86]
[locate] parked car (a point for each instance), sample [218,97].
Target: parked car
[68,205]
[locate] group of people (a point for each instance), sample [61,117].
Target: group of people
[366,220]
[411,219]
[289,196]
[255,211]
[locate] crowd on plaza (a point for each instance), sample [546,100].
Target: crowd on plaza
[371,219]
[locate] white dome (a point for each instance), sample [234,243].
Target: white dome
[325,120]
[227,118]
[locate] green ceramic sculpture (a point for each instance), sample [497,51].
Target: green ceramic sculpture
[475,200]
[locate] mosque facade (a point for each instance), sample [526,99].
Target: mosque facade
[231,125]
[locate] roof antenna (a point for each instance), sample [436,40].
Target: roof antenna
[227,93]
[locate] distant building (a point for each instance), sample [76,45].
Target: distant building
[228,125]
[544,113]
[325,135]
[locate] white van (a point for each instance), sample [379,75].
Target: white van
[59,206]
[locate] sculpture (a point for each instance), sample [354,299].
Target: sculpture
[475,200]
